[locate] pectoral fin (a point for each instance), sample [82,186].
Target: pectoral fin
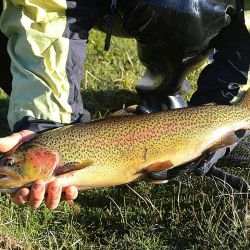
[155,168]
[73,166]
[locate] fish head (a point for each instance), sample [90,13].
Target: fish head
[26,165]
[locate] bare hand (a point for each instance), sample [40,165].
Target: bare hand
[35,195]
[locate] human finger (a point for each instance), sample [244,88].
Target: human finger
[21,196]
[71,193]
[8,142]
[54,195]
[37,194]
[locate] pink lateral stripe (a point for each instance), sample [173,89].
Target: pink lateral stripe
[142,136]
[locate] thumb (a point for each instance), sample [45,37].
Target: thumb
[8,142]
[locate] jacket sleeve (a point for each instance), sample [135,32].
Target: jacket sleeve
[47,51]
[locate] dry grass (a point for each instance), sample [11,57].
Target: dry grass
[7,242]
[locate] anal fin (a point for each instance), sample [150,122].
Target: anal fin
[157,166]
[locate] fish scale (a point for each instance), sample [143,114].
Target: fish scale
[119,150]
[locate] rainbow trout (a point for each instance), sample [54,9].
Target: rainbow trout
[119,150]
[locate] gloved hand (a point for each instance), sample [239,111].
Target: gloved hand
[199,168]
[206,164]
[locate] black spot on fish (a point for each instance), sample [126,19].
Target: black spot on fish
[145,154]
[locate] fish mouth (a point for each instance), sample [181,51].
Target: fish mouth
[6,175]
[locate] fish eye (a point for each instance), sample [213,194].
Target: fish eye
[9,162]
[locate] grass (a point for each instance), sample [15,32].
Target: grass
[247,5]
[188,213]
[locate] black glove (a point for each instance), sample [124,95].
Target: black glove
[207,167]
[206,164]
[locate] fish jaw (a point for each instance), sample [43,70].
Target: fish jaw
[27,165]
[9,178]
[10,172]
